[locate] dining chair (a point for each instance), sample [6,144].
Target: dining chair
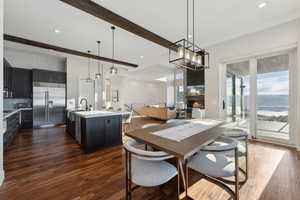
[127,122]
[150,125]
[172,120]
[146,168]
[214,166]
[242,137]
[147,147]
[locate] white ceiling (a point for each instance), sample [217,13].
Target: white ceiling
[216,21]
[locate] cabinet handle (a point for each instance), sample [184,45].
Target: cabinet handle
[108,121]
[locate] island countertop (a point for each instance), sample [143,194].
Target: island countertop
[99,113]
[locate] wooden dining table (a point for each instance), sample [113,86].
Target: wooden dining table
[182,149]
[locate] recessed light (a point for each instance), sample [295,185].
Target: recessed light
[57,31]
[262,4]
[141,57]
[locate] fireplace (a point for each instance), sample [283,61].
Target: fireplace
[195,103]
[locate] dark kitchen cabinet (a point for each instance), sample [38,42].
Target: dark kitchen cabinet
[12,128]
[48,76]
[112,131]
[95,134]
[27,119]
[21,83]
[100,132]
[7,77]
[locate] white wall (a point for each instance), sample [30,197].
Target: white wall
[77,68]
[278,37]
[26,59]
[1,93]
[138,92]
[170,90]
[131,91]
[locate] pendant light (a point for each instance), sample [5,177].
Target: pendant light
[113,69]
[98,75]
[89,79]
[185,53]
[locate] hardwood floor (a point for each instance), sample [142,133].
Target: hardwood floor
[48,164]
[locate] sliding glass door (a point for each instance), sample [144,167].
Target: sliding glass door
[258,96]
[237,89]
[272,104]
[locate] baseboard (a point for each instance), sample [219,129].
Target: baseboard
[274,143]
[1,176]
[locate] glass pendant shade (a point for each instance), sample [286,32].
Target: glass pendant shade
[98,75]
[89,79]
[194,57]
[180,52]
[199,60]
[187,55]
[113,70]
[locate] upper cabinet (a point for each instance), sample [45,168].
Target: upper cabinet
[7,76]
[17,82]
[48,76]
[21,83]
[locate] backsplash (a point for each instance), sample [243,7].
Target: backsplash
[9,104]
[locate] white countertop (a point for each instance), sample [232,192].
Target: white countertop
[6,115]
[99,113]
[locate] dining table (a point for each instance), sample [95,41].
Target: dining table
[180,143]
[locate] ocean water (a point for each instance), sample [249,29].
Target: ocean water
[270,105]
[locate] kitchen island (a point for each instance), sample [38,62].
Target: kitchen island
[96,130]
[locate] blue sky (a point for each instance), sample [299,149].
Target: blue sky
[274,83]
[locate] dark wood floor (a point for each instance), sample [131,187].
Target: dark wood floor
[48,164]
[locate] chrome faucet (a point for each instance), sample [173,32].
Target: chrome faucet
[86,103]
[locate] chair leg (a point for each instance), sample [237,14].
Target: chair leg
[186,180]
[178,179]
[247,160]
[130,177]
[126,174]
[125,128]
[237,185]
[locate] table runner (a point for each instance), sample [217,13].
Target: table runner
[181,132]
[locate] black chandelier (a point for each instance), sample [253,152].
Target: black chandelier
[185,53]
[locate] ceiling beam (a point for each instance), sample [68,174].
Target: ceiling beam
[100,12]
[64,50]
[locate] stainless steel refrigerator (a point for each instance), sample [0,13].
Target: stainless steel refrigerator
[49,101]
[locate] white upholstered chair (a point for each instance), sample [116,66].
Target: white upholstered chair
[150,125]
[146,168]
[213,164]
[147,147]
[173,120]
[242,137]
